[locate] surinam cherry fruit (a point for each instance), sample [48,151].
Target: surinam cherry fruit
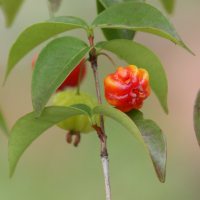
[72,79]
[80,123]
[127,88]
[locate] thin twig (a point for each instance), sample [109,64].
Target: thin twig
[109,59]
[100,130]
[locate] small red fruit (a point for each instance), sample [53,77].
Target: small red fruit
[127,88]
[72,79]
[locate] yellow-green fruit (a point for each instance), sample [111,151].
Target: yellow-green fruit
[79,123]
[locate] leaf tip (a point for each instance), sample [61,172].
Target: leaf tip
[161,174]
[162,180]
[6,76]
[11,169]
[191,52]
[166,111]
[186,48]
[4,82]
[37,113]
[8,24]
[11,174]
[165,107]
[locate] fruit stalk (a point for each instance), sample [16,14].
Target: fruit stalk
[80,75]
[111,60]
[101,131]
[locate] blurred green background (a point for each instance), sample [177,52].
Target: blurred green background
[52,169]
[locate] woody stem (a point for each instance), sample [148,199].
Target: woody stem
[100,130]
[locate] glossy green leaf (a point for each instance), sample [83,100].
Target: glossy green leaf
[169,5]
[111,34]
[38,33]
[3,125]
[145,131]
[27,129]
[139,55]
[54,63]
[197,117]
[55,4]
[138,16]
[10,9]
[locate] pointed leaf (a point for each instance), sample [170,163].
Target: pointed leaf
[55,4]
[54,63]
[197,117]
[10,9]
[3,125]
[139,55]
[111,34]
[138,16]
[27,129]
[38,33]
[169,5]
[155,141]
[145,131]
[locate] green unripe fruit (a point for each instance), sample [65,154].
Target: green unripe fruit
[79,123]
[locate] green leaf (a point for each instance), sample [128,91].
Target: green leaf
[169,5]
[55,4]
[27,129]
[54,63]
[84,107]
[197,117]
[108,3]
[38,33]
[139,55]
[120,117]
[145,131]
[155,141]
[100,7]
[10,9]
[138,16]
[3,125]
[111,34]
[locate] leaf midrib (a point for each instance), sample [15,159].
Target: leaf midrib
[63,70]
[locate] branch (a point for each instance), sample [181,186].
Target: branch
[100,130]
